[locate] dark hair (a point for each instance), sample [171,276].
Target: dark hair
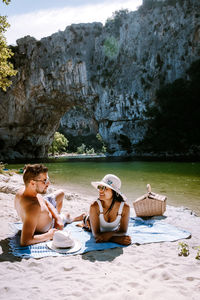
[116,198]
[32,171]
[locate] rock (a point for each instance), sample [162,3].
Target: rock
[10,184]
[92,78]
[4,178]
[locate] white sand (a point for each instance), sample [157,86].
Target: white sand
[151,271]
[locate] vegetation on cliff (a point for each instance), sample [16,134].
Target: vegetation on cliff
[114,23]
[173,118]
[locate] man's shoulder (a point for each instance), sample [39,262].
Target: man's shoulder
[20,192]
[28,203]
[19,196]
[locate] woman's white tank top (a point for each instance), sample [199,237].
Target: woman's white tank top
[109,226]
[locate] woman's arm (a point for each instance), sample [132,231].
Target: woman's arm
[123,227]
[120,236]
[95,225]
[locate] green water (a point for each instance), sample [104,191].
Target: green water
[179,181]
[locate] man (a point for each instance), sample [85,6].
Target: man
[41,217]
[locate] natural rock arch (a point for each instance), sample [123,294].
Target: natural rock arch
[112,74]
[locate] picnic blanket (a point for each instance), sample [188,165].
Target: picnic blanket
[141,232]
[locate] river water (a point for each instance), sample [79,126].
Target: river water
[179,181]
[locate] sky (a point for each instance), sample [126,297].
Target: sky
[41,18]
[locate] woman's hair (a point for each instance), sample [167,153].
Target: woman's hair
[32,171]
[116,198]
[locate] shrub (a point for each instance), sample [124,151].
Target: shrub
[111,47]
[104,149]
[81,149]
[90,151]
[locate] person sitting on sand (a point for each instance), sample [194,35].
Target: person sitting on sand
[41,216]
[109,215]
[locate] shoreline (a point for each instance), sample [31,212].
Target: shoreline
[149,271]
[104,157]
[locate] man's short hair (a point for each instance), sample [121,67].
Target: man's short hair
[32,171]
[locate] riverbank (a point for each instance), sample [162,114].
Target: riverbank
[149,157]
[179,157]
[151,271]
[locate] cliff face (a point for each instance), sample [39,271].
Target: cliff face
[91,78]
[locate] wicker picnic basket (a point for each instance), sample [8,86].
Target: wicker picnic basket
[150,204]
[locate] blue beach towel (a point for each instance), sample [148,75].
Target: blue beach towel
[141,232]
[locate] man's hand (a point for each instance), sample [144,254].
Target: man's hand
[51,232]
[59,223]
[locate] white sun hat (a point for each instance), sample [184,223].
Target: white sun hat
[111,181]
[63,243]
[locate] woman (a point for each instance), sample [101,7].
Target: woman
[109,215]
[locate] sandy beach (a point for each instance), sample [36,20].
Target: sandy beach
[150,271]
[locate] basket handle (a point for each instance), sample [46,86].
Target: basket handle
[148,188]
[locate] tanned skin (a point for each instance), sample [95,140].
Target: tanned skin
[119,236]
[37,213]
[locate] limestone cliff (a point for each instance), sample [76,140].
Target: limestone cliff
[92,78]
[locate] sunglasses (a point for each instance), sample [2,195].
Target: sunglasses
[102,187]
[45,181]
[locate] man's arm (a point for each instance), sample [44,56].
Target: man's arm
[28,236]
[58,221]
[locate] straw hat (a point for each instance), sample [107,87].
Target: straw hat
[111,181]
[63,243]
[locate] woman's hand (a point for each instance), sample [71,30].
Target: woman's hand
[103,237]
[122,240]
[111,237]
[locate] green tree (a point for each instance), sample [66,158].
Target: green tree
[59,143]
[6,67]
